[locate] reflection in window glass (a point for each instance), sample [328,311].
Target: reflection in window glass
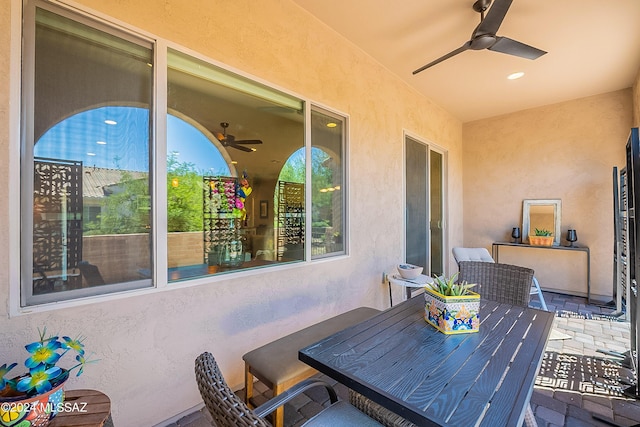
[91,184]
[190,156]
[235,165]
[327,194]
[289,202]
[220,203]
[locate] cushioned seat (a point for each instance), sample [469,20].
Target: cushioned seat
[276,364]
[341,414]
[472,254]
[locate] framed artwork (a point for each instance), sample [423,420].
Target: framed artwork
[264,209]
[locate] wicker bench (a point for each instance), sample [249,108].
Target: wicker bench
[276,364]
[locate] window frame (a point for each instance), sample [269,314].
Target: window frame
[21,162]
[344,187]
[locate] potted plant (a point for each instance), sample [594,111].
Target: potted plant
[451,307]
[35,397]
[541,237]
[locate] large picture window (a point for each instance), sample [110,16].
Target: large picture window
[247,132]
[223,161]
[86,173]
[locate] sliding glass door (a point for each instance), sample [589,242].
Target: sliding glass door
[424,206]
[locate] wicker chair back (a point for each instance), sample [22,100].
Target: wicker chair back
[225,407]
[505,283]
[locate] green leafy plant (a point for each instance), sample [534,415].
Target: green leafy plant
[542,232]
[449,286]
[42,365]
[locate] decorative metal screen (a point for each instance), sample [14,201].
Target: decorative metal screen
[57,222]
[621,287]
[220,226]
[624,290]
[290,220]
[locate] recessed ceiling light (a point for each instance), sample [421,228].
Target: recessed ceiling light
[254,149]
[111,122]
[91,154]
[234,162]
[101,142]
[331,125]
[515,76]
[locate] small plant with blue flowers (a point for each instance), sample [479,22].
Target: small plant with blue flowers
[42,366]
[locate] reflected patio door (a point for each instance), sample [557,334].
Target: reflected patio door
[424,206]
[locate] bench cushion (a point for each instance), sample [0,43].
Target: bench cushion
[278,361]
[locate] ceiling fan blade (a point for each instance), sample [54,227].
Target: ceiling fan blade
[493,20]
[447,56]
[248,141]
[240,147]
[513,47]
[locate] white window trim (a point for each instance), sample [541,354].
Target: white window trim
[159,267]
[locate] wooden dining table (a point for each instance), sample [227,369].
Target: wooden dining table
[399,361]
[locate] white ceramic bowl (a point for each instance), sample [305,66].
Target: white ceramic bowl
[409,271]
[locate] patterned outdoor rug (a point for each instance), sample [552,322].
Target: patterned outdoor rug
[588,315]
[582,373]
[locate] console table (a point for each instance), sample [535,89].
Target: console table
[496,256]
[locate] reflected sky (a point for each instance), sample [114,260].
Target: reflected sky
[118,138]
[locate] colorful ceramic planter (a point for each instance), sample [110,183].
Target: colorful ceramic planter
[36,411]
[452,315]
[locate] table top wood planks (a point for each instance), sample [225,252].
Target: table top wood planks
[399,361]
[83,408]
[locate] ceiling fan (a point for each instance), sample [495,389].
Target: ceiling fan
[230,140]
[484,36]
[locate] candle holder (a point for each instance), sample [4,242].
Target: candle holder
[515,233]
[572,237]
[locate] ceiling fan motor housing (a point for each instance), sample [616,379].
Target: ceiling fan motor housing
[483,42]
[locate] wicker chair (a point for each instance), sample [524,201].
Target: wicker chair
[378,412]
[228,410]
[498,282]
[482,254]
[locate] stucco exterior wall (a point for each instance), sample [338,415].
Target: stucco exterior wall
[147,343]
[564,151]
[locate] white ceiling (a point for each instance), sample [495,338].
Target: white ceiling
[593,47]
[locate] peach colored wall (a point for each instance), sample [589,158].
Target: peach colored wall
[564,151]
[147,342]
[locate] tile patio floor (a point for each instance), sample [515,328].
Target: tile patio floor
[568,398]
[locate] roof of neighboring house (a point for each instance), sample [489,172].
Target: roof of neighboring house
[96,180]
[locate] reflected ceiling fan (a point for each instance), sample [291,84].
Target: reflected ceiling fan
[230,140]
[484,36]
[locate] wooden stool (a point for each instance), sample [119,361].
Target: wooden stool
[84,408]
